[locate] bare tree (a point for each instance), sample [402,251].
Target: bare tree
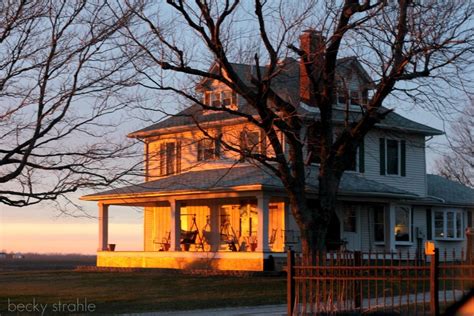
[458,163]
[60,75]
[411,48]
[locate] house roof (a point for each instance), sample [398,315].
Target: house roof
[451,192]
[287,84]
[226,179]
[188,118]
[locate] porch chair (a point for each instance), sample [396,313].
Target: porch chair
[272,238]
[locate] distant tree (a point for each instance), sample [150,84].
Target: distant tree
[59,78]
[458,163]
[413,50]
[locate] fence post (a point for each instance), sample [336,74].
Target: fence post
[434,282]
[357,283]
[290,281]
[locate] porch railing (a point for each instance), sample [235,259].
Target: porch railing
[400,283]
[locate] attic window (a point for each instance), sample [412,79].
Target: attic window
[355,97]
[224,98]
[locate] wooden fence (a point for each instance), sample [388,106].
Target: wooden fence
[395,283]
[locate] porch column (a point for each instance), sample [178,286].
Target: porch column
[175,225]
[389,227]
[103,226]
[215,236]
[262,232]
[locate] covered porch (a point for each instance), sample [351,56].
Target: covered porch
[234,230]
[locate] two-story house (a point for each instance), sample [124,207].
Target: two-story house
[206,207]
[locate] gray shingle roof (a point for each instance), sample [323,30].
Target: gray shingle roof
[450,191]
[227,178]
[287,85]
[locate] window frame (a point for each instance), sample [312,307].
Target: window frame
[211,150]
[378,209]
[244,146]
[216,98]
[456,229]
[387,140]
[170,161]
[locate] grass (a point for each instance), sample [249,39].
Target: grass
[122,292]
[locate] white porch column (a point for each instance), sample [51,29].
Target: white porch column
[103,226]
[215,236]
[175,225]
[262,231]
[389,227]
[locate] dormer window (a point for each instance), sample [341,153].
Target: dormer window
[356,97]
[222,98]
[216,99]
[228,98]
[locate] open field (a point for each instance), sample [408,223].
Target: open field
[122,292]
[46,262]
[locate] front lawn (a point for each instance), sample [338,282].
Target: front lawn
[122,292]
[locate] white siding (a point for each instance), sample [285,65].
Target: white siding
[415,179]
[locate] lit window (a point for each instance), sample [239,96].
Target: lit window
[402,229]
[448,224]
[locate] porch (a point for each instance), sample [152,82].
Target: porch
[225,231]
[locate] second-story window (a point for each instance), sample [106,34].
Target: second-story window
[250,143]
[170,158]
[207,149]
[392,157]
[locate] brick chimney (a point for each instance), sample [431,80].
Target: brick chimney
[313,43]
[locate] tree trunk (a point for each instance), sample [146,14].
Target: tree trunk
[314,222]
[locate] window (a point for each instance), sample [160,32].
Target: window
[392,157]
[379,223]
[250,143]
[216,99]
[226,98]
[402,229]
[207,149]
[358,160]
[350,219]
[448,224]
[170,158]
[355,97]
